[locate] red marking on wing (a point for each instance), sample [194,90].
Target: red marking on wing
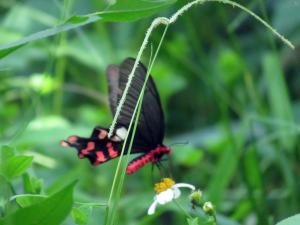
[90,147]
[64,144]
[72,139]
[102,134]
[100,158]
[153,156]
[111,151]
[109,144]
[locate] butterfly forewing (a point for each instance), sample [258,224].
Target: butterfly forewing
[112,74]
[150,128]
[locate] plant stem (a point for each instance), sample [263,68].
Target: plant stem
[182,209]
[167,21]
[61,63]
[120,175]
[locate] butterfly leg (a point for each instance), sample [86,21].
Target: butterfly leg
[159,167]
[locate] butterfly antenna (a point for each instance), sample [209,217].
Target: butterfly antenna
[179,143]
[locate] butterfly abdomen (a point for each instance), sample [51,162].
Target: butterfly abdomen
[152,156]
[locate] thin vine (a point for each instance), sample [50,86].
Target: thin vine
[167,21]
[120,175]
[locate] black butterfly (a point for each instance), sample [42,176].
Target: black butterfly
[150,129]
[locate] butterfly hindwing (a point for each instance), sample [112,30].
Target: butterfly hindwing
[97,149]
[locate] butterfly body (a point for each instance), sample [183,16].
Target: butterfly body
[100,148]
[153,156]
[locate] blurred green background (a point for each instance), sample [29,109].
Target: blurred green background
[229,89]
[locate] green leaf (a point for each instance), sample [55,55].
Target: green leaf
[5,193]
[230,66]
[28,200]
[6,153]
[127,10]
[293,220]
[59,183]
[124,10]
[279,99]
[8,48]
[31,184]
[193,221]
[51,211]
[226,166]
[252,169]
[79,216]
[16,166]
[188,156]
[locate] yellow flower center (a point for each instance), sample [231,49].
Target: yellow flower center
[163,185]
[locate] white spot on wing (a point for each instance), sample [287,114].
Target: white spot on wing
[121,133]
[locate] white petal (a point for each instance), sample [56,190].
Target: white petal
[152,208]
[181,185]
[176,192]
[165,196]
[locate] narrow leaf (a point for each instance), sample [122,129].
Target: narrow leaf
[125,10]
[279,99]
[8,48]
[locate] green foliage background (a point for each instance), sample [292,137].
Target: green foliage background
[229,89]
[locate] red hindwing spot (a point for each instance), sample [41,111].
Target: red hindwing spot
[109,144]
[112,153]
[102,134]
[64,144]
[90,147]
[100,158]
[72,139]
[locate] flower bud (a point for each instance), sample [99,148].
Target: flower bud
[208,208]
[196,197]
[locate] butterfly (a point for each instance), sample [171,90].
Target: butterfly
[148,139]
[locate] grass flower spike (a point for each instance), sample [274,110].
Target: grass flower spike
[166,191]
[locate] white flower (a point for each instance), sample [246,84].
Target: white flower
[167,191]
